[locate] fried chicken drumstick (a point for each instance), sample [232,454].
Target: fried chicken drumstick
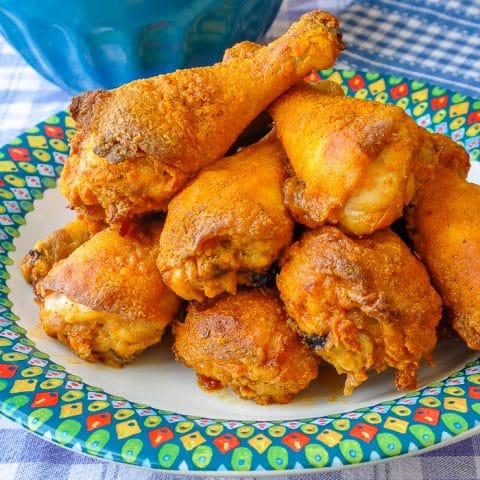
[444,226]
[363,304]
[107,301]
[58,245]
[243,342]
[227,224]
[137,145]
[353,159]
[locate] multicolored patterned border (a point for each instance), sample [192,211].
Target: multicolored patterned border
[49,401]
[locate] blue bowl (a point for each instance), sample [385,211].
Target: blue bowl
[86,44]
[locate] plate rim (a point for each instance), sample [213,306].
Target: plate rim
[23,414]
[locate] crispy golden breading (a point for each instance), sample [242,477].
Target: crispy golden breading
[363,303]
[227,224]
[58,245]
[137,145]
[445,228]
[107,301]
[352,158]
[437,149]
[243,341]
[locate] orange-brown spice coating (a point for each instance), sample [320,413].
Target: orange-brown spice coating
[137,145]
[352,158]
[229,222]
[107,301]
[243,342]
[444,225]
[367,303]
[58,245]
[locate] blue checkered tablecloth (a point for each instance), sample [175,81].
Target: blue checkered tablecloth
[432,40]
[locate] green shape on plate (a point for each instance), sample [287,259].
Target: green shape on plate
[152,421]
[12,231]
[316,455]
[31,372]
[131,449]
[389,444]
[5,342]
[214,430]
[96,441]
[48,182]
[8,246]
[59,368]
[424,434]
[18,219]
[11,316]
[403,102]
[6,194]
[5,261]
[11,404]
[2,155]
[277,431]
[372,417]
[38,417]
[202,456]
[58,169]
[53,120]
[41,155]
[476,408]
[437,91]
[70,132]
[14,180]
[59,145]
[4,274]
[72,395]
[184,427]
[351,451]
[32,130]
[241,459]
[3,384]
[476,105]
[36,193]
[348,73]
[26,205]
[458,98]
[454,422]
[277,457]
[27,167]
[4,289]
[15,141]
[245,431]
[394,80]
[341,424]
[43,355]
[416,85]
[67,431]
[14,357]
[27,341]
[167,454]
[372,76]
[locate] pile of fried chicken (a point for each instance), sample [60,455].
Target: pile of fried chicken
[265,255]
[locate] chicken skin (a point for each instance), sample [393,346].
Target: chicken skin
[444,226]
[107,301]
[353,159]
[58,245]
[243,342]
[137,145]
[228,224]
[363,304]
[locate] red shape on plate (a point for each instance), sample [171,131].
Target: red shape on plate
[226,442]
[399,91]
[473,117]
[295,440]
[159,436]
[356,83]
[54,132]
[364,432]
[98,420]
[439,102]
[312,77]
[474,391]
[427,415]
[45,399]
[19,154]
[7,370]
